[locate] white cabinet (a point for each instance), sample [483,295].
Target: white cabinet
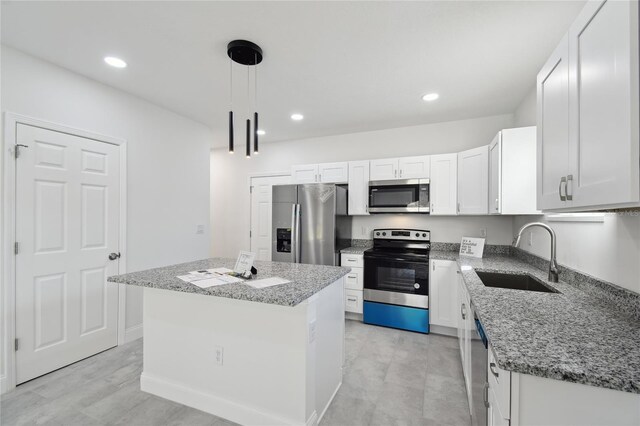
[443,187]
[333,172]
[320,173]
[512,172]
[417,167]
[414,167]
[305,173]
[465,324]
[473,181]
[443,293]
[384,169]
[588,103]
[353,284]
[358,188]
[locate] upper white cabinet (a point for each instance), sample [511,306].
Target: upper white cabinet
[385,169]
[400,168]
[588,101]
[414,167]
[443,186]
[306,173]
[443,293]
[512,172]
[473,181]
[358,187]
[320,173]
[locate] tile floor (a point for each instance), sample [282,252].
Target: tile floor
[392,377]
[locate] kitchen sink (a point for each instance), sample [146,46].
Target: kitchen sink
[513,281]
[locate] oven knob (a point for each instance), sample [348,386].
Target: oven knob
[424,235]
[417,234]
[384,234]
[416,286]
[378,234]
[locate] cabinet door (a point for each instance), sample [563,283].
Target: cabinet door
[443,187]
[553,128]
[517,171]
[495,175]
[385,169]
[306,173]
[358,188]
[333,172]
[414,167]
[473,181]
[443,293]
[603,100]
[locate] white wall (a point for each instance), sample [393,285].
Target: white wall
[168,159]
[525,114]
[230,175]
[608,250]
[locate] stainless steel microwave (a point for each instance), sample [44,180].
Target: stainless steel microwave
[399,196]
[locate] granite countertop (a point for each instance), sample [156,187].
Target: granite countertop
[570,335]
[354,250]
[306,280]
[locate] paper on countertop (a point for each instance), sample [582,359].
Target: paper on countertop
[209,278]
[267,282]
[220,270]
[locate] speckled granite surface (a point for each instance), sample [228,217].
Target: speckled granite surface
[306,280]
[354,250]
[571,335]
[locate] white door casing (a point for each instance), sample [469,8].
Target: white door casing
[261,197]
[67,224]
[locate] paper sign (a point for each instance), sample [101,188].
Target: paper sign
[267,282]
[244,262]
[472,247]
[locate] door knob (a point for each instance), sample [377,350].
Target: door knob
[114,256]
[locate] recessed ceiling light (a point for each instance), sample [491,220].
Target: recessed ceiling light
[430,97]
[261,132]
[115,62]
[297,117]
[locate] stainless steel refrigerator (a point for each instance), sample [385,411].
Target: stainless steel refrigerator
[309,223]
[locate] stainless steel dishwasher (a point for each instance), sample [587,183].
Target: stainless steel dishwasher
[479,381]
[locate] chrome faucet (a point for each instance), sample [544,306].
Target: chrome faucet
[553,264]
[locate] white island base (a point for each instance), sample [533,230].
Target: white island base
[279,365]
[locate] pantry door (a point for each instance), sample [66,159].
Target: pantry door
[261,196]
[67,225]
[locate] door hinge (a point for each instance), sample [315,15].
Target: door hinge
[16,344]
[251,190]
[249,233]
[16,247]
[16,151]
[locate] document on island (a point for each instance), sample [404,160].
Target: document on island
[267,282]
[209,278]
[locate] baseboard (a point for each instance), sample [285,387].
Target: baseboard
[441,329]
[214,404]
[133,333]
[330,401]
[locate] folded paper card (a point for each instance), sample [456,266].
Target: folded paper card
[472,247]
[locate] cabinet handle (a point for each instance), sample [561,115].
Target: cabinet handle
[395,173]
[485,397]
[351,300]
[463,311]
[352,260]
[400,172]
[458,207]
[497,201]
[492,367]
[433,264]
[566,190]
[562,180]
[352,276]
[432,209]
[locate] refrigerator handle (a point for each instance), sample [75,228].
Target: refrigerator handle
[298,256]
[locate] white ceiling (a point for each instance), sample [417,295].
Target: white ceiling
[347,66]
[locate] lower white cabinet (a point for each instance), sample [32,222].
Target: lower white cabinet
[465,324]
[353,282]
[443,293]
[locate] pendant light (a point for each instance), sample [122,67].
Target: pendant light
[249,54]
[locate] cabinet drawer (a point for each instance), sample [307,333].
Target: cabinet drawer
[500,383]
[353,301]
[353,260]
[353,280]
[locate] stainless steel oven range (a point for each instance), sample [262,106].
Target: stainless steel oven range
[396,279]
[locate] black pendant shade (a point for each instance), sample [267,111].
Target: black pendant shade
[255,132]
[245,53]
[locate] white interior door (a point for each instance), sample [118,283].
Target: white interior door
[67,224]
[261,213]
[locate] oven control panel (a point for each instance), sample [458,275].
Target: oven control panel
[401,234]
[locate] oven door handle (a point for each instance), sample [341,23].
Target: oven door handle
[398,259]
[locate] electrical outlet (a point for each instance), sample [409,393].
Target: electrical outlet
[312,331]
[530,238]
[200,229]
[483,232]
[219,354]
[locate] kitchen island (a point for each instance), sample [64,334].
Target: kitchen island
[253,356]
